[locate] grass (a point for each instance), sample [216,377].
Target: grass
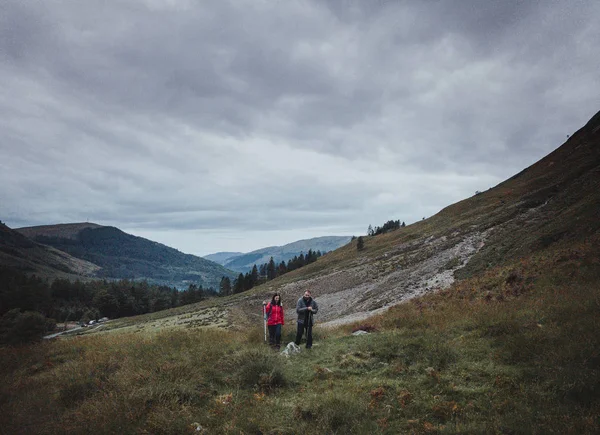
[514,350]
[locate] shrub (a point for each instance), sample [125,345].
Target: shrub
[360,244]
[257,370]
[17,327]
[333,413]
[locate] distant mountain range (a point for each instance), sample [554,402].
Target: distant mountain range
[222,257]
[241,262]
[108,252]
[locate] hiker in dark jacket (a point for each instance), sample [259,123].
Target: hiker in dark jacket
[306,307]
[275,321]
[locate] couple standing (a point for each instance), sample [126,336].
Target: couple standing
[305,308]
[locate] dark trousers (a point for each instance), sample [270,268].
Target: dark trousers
[275,335]
[301,328]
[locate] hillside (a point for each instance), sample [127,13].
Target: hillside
[19,252]
[555,202]
[222,257]
[123,256]
[244,262]
[59,231]
[550,205]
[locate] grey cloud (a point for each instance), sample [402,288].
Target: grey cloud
[281,114]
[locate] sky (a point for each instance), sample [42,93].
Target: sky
[216,125]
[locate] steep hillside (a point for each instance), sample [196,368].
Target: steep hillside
[124,256]
[550,208]
[244,262]
[19,252]
[553,204]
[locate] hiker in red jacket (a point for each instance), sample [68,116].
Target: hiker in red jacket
[275,321]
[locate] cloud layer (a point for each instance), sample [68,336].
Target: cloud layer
[236,125]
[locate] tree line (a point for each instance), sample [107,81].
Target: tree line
[64,300]
[266,272]
[390,225]
[30,306]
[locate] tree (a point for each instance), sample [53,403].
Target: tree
[271,272]
[254,275]
[159,301]
[390,225]
[360,243]
[281,269]
[248,284]
[225,286]
[301,260]
[262,272]
[17,327]
[239,283]
[107,303]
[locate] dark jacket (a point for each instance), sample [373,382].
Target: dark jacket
[303,313]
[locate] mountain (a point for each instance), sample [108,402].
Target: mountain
[244,262]
[222,257]
[123,256]
[19,252]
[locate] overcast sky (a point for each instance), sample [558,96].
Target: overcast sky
[234,125]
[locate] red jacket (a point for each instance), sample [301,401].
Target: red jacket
[275,313]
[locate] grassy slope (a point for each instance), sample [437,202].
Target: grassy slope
[19,252]
[514,350]
[510,348]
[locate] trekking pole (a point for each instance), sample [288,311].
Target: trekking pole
[265,320]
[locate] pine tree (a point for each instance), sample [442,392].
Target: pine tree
[225,286]
[301,260]
[281,269]
[360,243]
[238,286]
[254,275]
[248,281]
[271,272]
[263,272]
